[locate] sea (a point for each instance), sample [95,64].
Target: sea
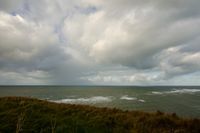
[182,100]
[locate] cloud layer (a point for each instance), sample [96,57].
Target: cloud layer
[134,42]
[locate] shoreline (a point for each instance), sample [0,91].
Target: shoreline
[35,115]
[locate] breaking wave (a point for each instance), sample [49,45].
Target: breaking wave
[90,100]
[177,91]
[141,100]
[126,97]
[156,92]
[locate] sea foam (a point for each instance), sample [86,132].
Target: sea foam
[90,100]
[126,97]
[177,91]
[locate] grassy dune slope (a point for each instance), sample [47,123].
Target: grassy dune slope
[19,114]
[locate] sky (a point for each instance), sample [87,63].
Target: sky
[99,42]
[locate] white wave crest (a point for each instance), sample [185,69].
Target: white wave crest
[156,92]
[141,100]
[177,91]
[185,91]
[90,100]
[126,97]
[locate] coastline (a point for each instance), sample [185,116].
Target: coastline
[25,114]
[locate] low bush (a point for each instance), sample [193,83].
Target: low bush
[25,115]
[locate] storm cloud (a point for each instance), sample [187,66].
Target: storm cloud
[116,42]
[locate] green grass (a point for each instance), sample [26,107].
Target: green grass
[28,115]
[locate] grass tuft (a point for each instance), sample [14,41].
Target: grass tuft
[24,115]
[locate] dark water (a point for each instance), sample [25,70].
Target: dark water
[182,100]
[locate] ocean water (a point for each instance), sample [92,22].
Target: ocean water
[183,100]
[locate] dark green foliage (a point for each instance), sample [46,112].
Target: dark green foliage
[25,115]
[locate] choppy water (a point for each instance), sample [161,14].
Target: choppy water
[184,101]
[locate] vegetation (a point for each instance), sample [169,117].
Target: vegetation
[27,115]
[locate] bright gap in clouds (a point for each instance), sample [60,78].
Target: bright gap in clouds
[99,42]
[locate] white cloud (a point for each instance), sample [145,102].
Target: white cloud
[84,41]
[25,46]
[135,36]
[22,40]
[174,62]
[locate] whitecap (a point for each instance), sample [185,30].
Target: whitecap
[156,92]
[126,97]
[141,100]
[90,100]
[177,91]
[184,91]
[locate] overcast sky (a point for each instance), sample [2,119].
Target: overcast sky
[100,42]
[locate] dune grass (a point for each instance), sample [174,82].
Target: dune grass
[28,115]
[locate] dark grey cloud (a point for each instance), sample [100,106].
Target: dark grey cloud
[175,62]
[134,36]
[28,49]
[99,41]
[10,5]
